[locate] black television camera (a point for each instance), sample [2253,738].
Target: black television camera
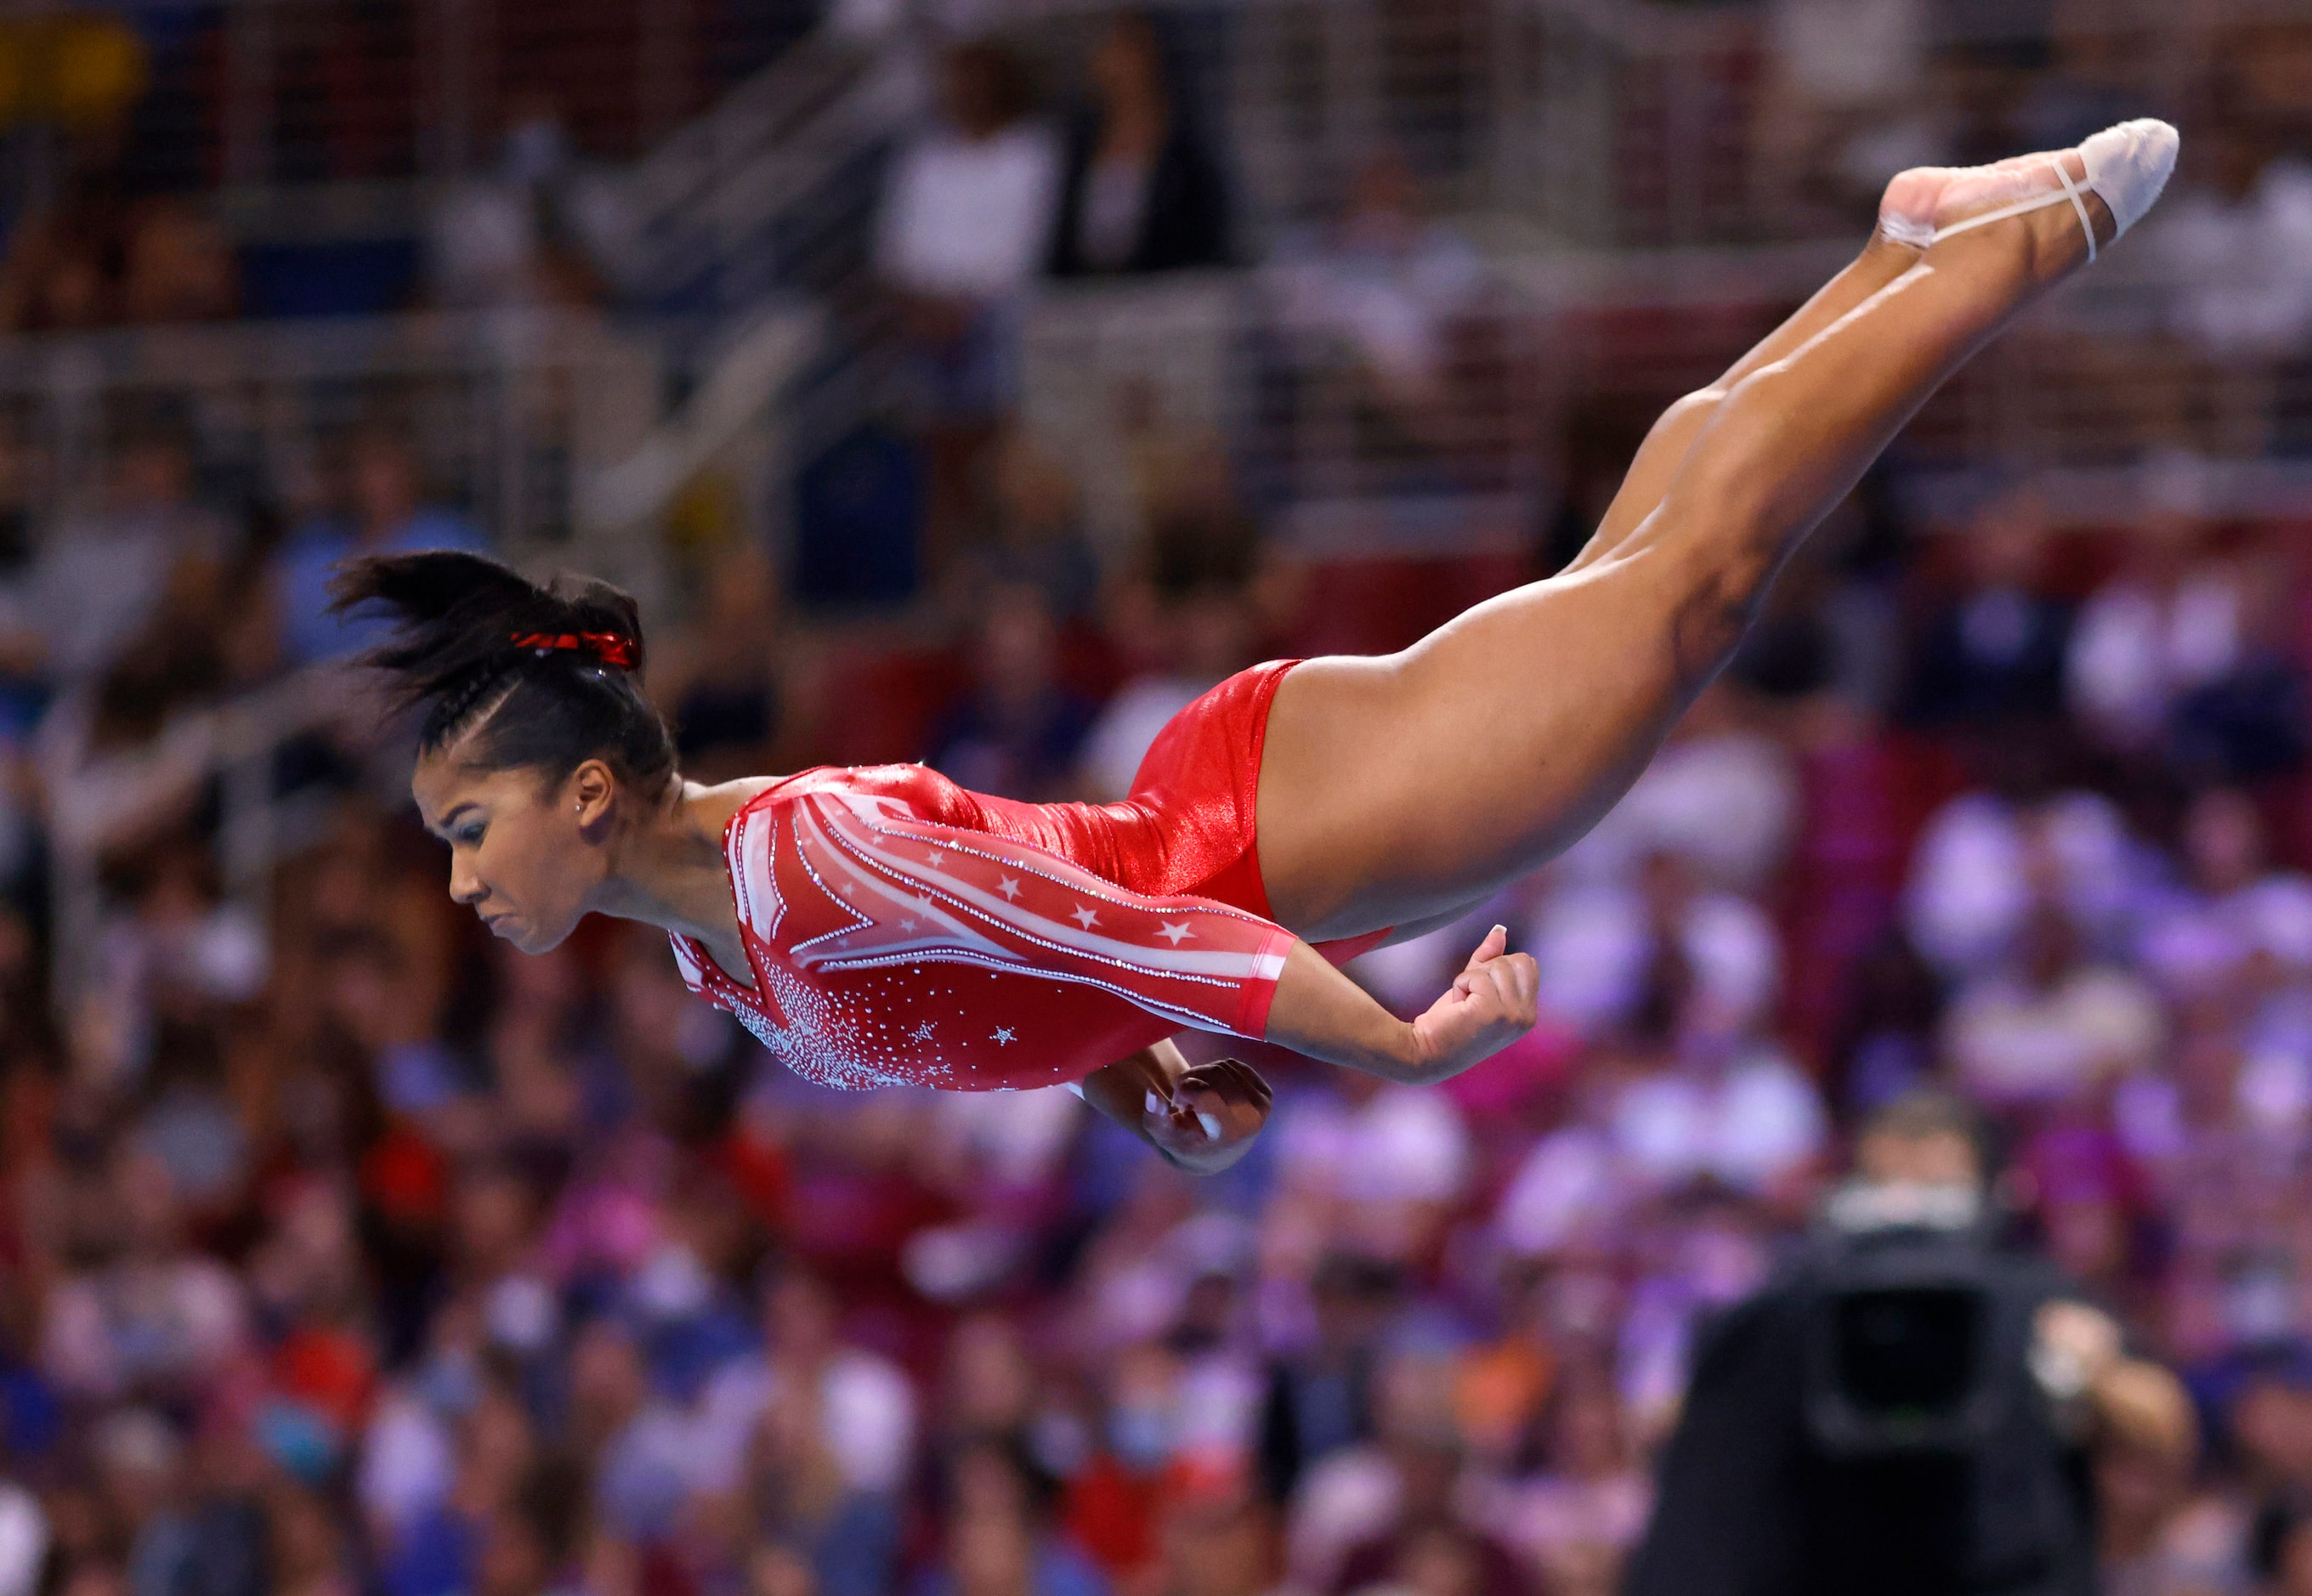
[1906,1350]
[1871,1425]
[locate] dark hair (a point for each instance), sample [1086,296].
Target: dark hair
[1924,1113]
[454,656]
[999,75]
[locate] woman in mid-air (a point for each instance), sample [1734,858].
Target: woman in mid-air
[882,926]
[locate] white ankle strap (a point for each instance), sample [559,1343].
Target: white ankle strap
[2080,205]
[2037,202]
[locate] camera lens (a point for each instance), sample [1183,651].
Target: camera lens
[1907,1353]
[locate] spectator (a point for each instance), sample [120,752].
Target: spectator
[2157,1538]
[438,1551]
[1735,1112]
[1841,119]
[989,1391]
[23,1540]
[1374,301]
[2248,723]
[2288,1560]
[99,579]
[1575,1519]
[145,1314]
[305,1551]
[518,236]
[1398,1157]
[2165,623]
[179,267]
[1219,1540]
[1193,604]
[1389,1513]
[1986,857]
[383,512]
[724,689]
[1993,653]
[1885,1045]
[1016,733]
[62,272]
[1140,192]
[1039,539]
[1116,1503]
[1610,950]
[801,1492]
[1320,1397]
[995,1536]
[2049,1023]
[2233,237]
[2231,908]
[966,218]
[1722,796]
[864,1406]
[1568,1195]
[528,1542]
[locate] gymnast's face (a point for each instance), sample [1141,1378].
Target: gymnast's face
[524,850]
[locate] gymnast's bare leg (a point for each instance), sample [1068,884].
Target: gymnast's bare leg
[1402,788]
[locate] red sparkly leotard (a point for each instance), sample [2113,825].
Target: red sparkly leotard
[903,930]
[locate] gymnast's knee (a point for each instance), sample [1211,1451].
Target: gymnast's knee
[1693,410]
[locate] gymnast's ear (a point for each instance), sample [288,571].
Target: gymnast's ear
[593,789]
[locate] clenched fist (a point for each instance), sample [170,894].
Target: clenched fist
[1214,1111]
[1493,1002]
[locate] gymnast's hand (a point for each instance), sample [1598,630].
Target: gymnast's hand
[1492,1003]
[1214,1112]
[1322,1013]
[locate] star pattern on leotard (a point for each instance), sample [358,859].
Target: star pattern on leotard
[871,927]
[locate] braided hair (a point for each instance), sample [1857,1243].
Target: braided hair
[528,677]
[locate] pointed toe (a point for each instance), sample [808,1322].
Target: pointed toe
[2128,164]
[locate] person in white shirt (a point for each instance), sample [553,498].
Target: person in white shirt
[965,225]
[968,209]
[1601,944]
[2168,621]
[2050,1021]
[866,1406]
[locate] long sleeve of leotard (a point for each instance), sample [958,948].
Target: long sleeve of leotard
[890,889]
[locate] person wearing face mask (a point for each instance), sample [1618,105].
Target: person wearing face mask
[1910,1408]
[1115,1506]
[519,235]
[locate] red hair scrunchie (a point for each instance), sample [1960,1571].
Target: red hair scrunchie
[607,648]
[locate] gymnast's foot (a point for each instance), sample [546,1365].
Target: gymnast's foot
[2070,202]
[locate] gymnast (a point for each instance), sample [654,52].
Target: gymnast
[882,926]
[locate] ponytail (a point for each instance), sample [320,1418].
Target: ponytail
[529,676]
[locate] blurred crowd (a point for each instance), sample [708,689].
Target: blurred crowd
[340,1246]
[342,1250]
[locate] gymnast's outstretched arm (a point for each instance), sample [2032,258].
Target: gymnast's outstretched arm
[1203,1117]
[1322,1013]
